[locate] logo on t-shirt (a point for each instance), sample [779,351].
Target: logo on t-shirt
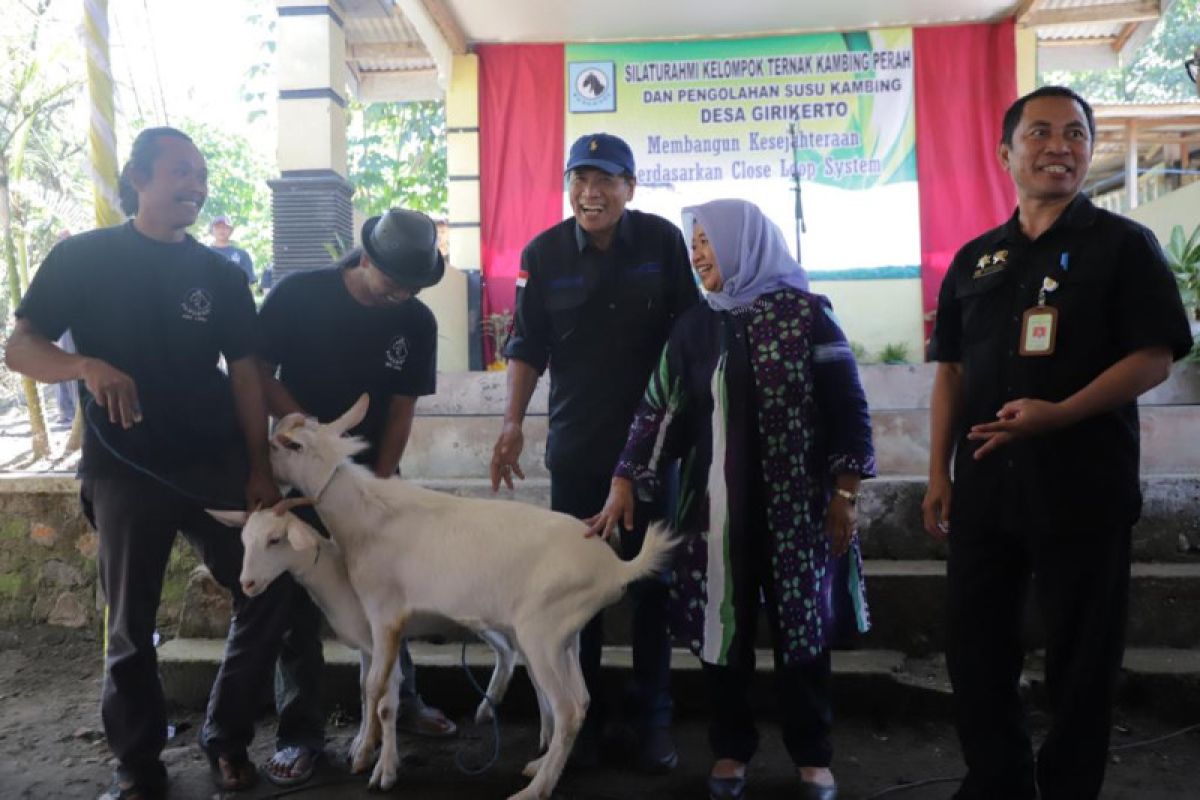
[197,305]
[397,353]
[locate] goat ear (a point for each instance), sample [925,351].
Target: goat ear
[234,519]
[352,417]
[283,429]
[300,534]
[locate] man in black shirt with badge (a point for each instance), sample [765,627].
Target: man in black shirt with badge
[597,295]
[1048,328]
[152,311]
[333,334]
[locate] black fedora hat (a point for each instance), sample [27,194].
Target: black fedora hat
[403,245]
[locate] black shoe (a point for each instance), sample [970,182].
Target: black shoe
[726,788]
[656,752]
[815,791]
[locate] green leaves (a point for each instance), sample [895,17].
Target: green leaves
[397,155]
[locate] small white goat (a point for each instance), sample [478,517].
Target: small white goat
[277,542]
[522,570]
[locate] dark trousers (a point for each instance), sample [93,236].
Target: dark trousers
[1081,586]
[300,670]
[650,707]
[805,709]
[802,691]
[136,519]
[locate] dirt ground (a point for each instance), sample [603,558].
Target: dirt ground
[52,746]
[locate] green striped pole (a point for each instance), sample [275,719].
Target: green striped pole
[102,144]
[102,141]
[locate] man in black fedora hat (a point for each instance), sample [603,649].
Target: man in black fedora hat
[325,337]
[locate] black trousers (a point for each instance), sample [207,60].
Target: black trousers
[582,496]
[1081,586]
[136,519]
[802,691]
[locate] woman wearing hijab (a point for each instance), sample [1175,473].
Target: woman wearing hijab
[757,394]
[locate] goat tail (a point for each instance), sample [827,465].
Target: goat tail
[655,555]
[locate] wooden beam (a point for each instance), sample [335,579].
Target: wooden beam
[1024,9]
[399,51]
[1082,41]
[1157,138]
[1131,164]
[1123,36]
[1131,11]
[443,17]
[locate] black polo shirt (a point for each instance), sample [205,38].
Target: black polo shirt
[330,349]
[1115,294]
[599,320]
[164,314]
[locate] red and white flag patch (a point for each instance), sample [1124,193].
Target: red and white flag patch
[522,278]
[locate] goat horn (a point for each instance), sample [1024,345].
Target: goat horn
[288,503]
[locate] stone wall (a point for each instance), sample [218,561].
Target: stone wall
[48,557]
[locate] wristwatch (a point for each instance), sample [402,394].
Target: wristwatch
[848,495]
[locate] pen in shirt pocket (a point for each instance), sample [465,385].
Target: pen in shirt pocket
[1064,261]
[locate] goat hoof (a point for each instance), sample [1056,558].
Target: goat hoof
[360,758]
[532,767]
[384,777]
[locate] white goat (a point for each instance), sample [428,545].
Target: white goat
[486,564]
[277,542]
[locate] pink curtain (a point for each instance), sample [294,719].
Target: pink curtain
[965,77]
[521,119]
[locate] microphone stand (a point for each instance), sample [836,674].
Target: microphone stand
[799,212]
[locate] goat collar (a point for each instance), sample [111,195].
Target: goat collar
[332,474]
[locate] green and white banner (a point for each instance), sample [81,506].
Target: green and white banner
[754,118]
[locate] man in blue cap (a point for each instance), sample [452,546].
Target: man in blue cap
[597,295]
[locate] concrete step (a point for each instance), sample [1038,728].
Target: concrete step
[866,682]
[908,602]
[888,387]
[890,515]
[460,445]
[908,606]
[865,679]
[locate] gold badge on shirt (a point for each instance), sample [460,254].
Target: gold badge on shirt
[990,264]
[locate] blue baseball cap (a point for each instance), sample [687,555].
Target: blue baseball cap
[602,151]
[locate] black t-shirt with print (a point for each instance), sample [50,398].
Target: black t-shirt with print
[330,349]
[164,313]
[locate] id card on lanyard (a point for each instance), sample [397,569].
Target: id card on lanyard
[1039,325]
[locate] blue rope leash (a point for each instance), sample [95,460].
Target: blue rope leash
[491,762]
[206,502]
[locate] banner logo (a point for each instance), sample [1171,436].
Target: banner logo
[592,87]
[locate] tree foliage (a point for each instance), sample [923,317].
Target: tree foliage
[237,186]
[38,188]
[397,154]
[1154,73]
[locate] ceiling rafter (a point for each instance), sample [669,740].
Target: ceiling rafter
[444,18]
[1024,9]
[1131,11]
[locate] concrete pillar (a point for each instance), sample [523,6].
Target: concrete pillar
[1027,47]
[310,201]
[462,167]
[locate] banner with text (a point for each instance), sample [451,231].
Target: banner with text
[819,127]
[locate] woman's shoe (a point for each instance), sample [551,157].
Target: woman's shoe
[815,791]
[726,788]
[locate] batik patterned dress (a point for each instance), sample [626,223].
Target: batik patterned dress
[786,357]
